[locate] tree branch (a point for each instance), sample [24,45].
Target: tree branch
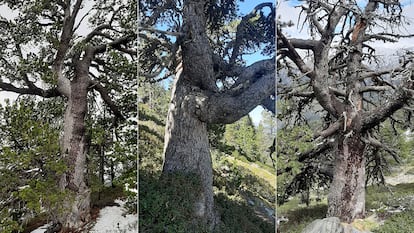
[107,99]
[30,91]
[332,129]
[224,108]
[300,44]
[377,144]
[374,89]
[240,34]
[248,75]
[114,44]
[150,29]
[401,97]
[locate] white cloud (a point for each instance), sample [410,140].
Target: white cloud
[288,12]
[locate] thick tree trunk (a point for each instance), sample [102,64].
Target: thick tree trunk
[77,210]
[187,149]
[346,198]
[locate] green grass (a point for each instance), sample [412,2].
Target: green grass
[398,223]
[256,170]
[378,198]
[300,217]
[237,217]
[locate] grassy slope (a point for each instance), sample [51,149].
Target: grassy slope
[256,170]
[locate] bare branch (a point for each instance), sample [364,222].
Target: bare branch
[380,145]
[379,73]
[400,97]
[332,129]
[116,44]
[296,58]
[314,152]
[96,31]
[374,89]
[300,44]
[249,74]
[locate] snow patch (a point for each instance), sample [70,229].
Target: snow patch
[112,219]
[41,229]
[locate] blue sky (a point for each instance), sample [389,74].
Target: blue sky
[246,7]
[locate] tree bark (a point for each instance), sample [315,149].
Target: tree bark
[77,210]
[346,199]
[187,149]
[196,102]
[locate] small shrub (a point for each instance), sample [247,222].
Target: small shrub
[166,203]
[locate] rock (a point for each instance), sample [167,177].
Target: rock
[326,225]
[350,229]
[331,225]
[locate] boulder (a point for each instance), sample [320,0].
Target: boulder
[331,225]
[326,225]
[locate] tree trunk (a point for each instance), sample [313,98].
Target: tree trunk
[346,199]
[187,149]
[77,210]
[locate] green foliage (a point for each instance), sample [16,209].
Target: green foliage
[241,136]
[383,196]
[112,154]
[392,135]
[378,197]
[166,203]
[106,196]
[291,143]
[41,194]
[236,216]
[152,113]
[215,136]
[30,163]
